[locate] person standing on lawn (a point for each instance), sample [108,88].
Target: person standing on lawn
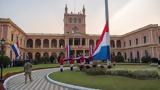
[71,62]
[27,71]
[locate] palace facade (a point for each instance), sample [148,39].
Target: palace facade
[132,46]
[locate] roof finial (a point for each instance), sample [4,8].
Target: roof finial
[66,9]
[83,10]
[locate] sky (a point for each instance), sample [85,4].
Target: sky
[46,16]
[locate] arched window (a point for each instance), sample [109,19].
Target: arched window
[75,20]
[61,43]
[119,54]
[30,56]
[46,54]
[119,44]
[29,43]
[37,56]
[91,42]
[70,20]
[75,29]
[112,43]
[54,43]
[46,43]
[37,43]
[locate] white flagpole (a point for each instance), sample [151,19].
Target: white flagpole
[107,20]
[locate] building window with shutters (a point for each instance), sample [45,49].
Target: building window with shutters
[159,39]
[145,39]
[130,43]
[70,20]
[136,41]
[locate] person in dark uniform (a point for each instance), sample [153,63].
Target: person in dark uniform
[27,71]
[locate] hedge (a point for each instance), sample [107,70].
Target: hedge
[137,74]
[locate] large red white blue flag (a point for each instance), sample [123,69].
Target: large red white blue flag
[102,49]
[16,50]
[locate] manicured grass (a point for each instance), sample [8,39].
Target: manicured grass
[19,69]
[105,82]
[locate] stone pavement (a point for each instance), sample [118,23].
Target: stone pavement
[39,81]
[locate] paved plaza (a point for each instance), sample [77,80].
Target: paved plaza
[39,81]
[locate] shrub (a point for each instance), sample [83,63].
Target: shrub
[158,62]
[35,62]
[81,67]
[154,60]
[96,71]
[109,66]
[145,59]
[87,67]
[119,58]
[137,74]
[144,74]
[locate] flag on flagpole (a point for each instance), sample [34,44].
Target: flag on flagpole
[16,50]
[102,49]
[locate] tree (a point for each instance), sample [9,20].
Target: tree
[5,60]
[52,58]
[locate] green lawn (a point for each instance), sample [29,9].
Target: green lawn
[108,82]
[19,69]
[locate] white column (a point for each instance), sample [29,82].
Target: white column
[80,41]
[50,43]
[141,54]
[33,43]
[115,42]
[41,43]
[57,43]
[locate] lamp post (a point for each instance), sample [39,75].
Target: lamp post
[2,42]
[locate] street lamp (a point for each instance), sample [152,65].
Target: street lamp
[2,42]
